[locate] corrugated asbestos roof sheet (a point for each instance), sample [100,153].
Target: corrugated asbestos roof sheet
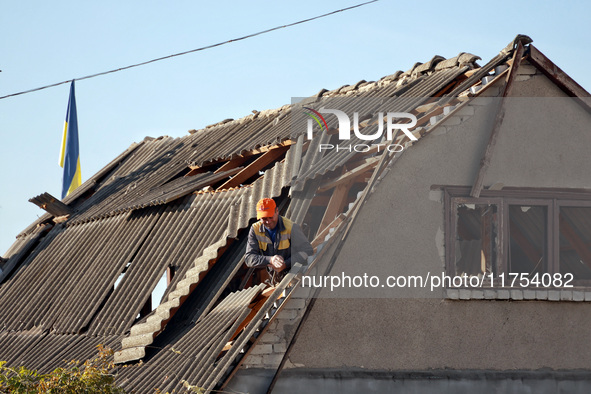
[147,241]
[45,352]
[55,279]
[211,288]
[66,287]
[87,185]
[381,98]
[192,357]
[223,214]
[239,136]
[52,205]
[20,249]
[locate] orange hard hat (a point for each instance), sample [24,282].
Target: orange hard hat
[266,208]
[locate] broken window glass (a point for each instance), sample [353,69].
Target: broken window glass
[530,233]
[575,241]
[477,239]
[528,239]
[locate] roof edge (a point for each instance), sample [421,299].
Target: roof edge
[556,74]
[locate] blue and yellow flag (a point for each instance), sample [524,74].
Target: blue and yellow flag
[70,153]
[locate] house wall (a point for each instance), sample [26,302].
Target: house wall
[330,381]
[399,231]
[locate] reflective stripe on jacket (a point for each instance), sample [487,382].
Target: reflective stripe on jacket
[264,240]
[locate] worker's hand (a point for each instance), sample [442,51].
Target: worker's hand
[277,263]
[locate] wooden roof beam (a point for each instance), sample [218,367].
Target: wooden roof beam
[486,158]
[559,77]
[229,165]
[350,176]
[319,238]
[253,168]
[199,169]
[337,203]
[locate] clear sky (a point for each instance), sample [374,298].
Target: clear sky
[48,42]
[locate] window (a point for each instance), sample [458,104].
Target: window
[532,231]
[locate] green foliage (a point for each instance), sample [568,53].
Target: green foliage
[91,376]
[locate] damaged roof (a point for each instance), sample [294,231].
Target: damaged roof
[84,272]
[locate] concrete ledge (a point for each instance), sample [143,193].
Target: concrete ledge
[529,294]
[452,294]
[465,294]
[517,294]
[575,374]
[520,294]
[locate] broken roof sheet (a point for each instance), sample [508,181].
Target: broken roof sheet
[146,240]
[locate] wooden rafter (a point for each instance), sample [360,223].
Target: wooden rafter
[449,87]
[254,307]
[494,135]
[249,330]
[459,103]
[336,204]
[235,162]
[350,176]
[196,169]
[559,77]
[253,168]
[319,238]
[426,117]
[320,200]
[170,271]
[215,178]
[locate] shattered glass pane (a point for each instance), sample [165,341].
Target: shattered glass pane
[528,239]
[575,241]
[476,239]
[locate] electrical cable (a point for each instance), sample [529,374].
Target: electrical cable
[190,51]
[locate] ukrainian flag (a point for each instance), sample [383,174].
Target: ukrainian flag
[70,153]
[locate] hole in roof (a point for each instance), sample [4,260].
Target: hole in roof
[121,275]
[159,290]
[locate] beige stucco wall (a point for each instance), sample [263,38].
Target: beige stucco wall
[397,334]
[399,231]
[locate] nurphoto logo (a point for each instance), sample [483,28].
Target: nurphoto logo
[394,121]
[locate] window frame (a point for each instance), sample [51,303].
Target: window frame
[553,199]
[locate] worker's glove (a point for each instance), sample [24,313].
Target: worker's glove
[277,263]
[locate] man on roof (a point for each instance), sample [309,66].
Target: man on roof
[275,242]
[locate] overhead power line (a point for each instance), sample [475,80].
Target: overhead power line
[190,51]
